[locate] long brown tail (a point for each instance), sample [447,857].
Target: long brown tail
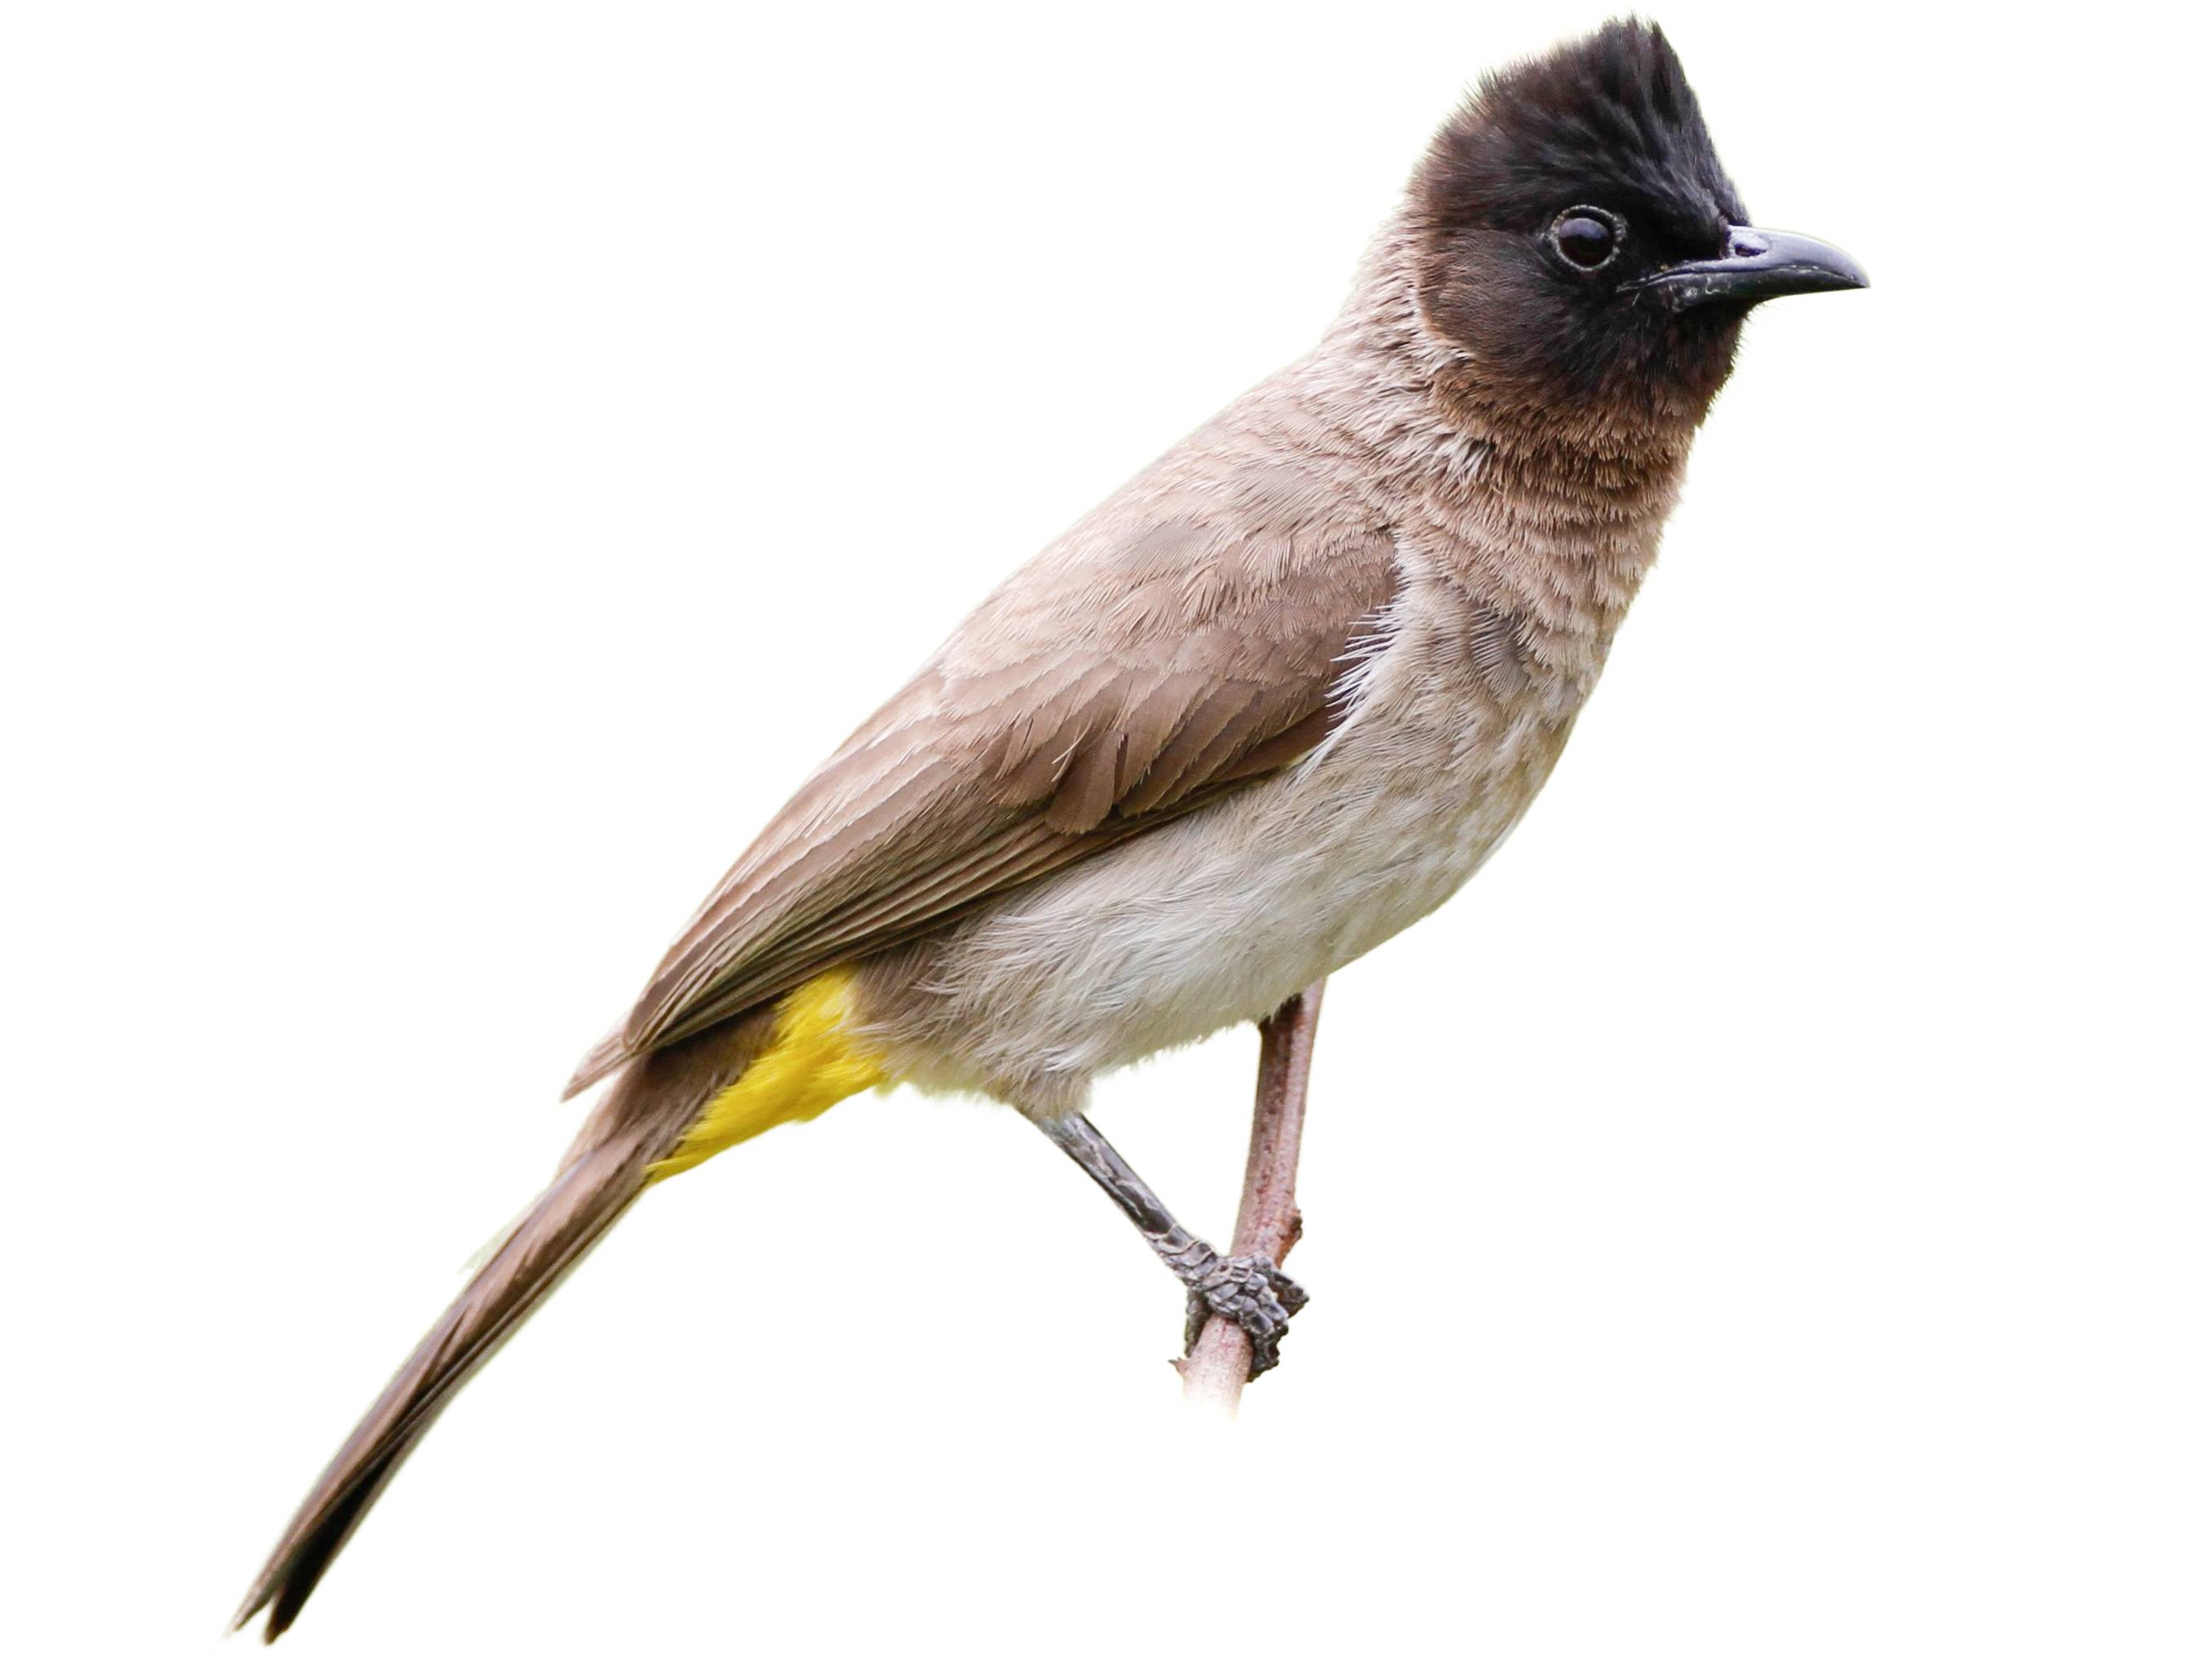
[640,1120]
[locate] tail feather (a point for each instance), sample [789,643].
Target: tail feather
[574,1212]
[642,1118]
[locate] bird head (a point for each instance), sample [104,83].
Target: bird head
[1581,252]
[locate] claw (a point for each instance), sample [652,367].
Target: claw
[1251,1290]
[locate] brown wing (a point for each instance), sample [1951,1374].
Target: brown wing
[1171,649]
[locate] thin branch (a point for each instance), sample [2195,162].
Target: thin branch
[1267,1221]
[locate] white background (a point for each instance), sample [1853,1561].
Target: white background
[464,464]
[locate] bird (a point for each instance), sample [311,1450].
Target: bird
[1273,701]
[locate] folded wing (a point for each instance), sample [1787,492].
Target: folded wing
[1162,655]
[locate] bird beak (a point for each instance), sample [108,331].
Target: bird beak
[1759,264]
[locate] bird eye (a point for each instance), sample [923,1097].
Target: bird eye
[1587,237]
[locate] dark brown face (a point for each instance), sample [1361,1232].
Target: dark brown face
[1582,244]
[1555,317]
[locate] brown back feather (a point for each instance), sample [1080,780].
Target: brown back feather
[1181,641]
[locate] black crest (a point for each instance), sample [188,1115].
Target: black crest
[1603,132]
[1608,118]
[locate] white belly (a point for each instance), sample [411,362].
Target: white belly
[1216,919]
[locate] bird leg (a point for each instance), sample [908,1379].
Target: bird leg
[1267,1221]
[1250,1289]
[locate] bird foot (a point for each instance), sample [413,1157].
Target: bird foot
[1253,1292]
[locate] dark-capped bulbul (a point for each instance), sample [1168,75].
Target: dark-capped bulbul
[1273,701]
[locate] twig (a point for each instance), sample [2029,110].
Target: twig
[1267,1221]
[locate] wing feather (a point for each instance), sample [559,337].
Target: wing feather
[1180,643]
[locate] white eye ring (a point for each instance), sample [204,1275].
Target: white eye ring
[1616,233]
